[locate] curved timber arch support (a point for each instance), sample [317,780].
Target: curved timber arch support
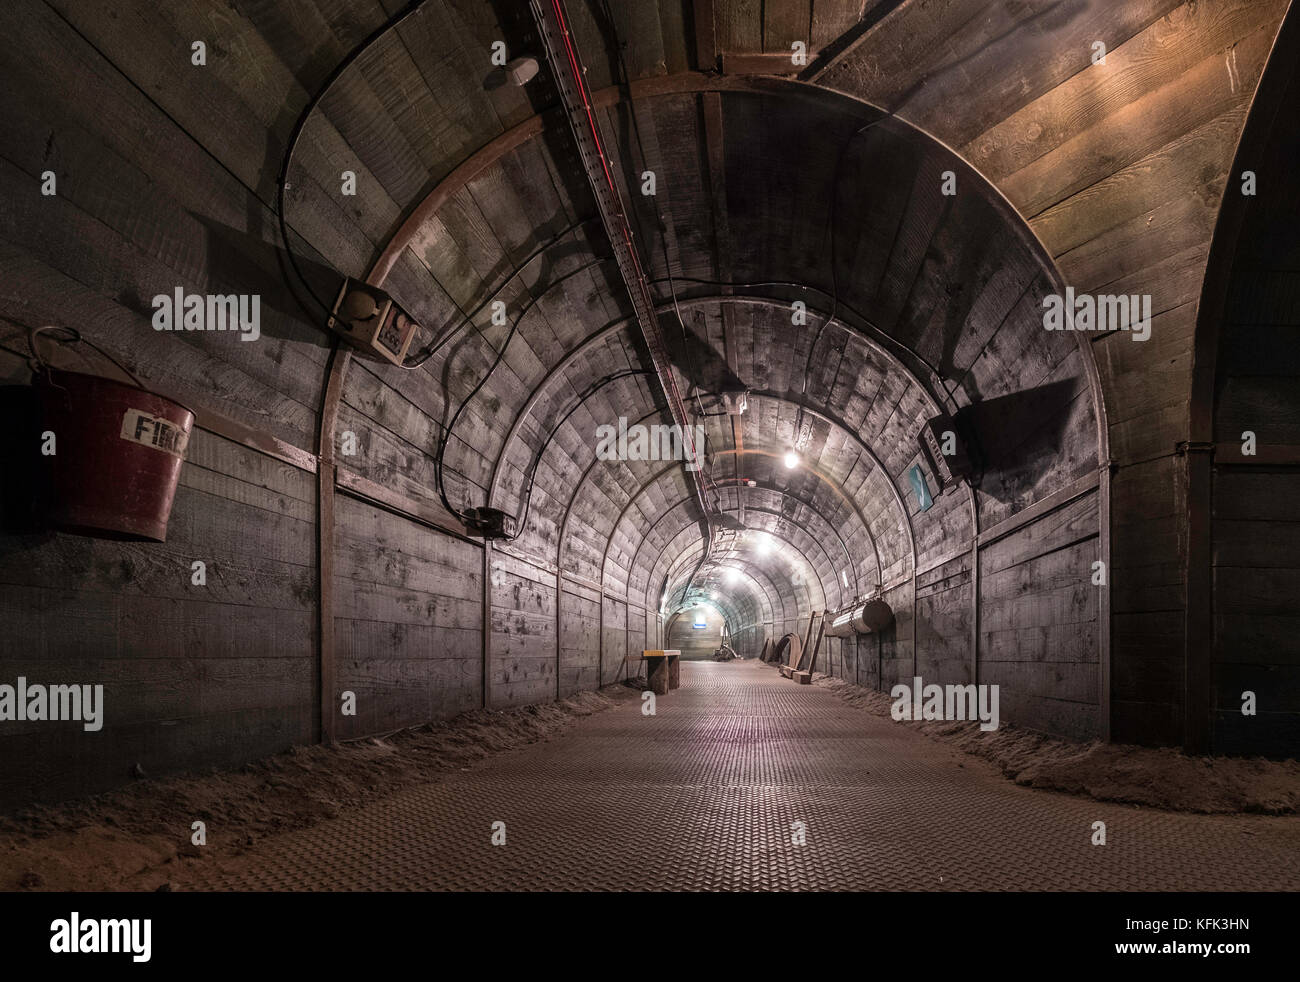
[825,523]
[755,574]
[683,557]
[844,499]
[757,578]
[736,558]
[763,608]
[633,564]
[803,605]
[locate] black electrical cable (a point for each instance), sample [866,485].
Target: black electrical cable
[37,363]
[296,134]
[468,318]
[531,476]
[445,436]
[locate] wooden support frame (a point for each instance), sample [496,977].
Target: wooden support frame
[706,45]
[1200,453]
[340,358]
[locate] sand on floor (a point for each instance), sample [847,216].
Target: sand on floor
[129,838]
[1155,777]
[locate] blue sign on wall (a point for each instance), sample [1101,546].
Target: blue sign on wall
[917,477]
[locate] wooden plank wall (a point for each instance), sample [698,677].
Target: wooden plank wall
[524,645]
[407,620]
[194,676]
[579,638]
[1256,533]
[695,645]
[1038,630]
[944,610]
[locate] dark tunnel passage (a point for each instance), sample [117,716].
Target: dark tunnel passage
[412,404]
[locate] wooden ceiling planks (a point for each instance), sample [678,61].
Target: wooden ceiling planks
[831,19]
[738,25]
[784,22]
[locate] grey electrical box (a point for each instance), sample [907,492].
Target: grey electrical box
[489,523]
[372,322]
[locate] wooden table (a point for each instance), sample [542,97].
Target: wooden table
[663,670]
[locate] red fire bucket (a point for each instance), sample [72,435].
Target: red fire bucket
[117,455]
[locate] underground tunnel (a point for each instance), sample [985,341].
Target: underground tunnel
[650,445]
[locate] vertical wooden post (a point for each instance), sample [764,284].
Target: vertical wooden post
[325,598]
[1199,623]
[807,638]
[706,47]
[487,624]
[975,607]
[559,592]
[340,358]
[1103,602]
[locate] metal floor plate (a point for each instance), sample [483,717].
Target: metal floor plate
[704,796]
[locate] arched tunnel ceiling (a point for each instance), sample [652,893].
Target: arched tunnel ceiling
[933,302]
[769,191]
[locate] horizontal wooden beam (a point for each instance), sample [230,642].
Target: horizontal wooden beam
[773,63]
[429,512]
[255,440]
[947,557]
[1057,499]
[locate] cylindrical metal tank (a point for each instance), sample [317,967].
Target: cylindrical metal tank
[863,617]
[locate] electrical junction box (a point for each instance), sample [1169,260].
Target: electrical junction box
[944,444]
[372,322]
[489,523]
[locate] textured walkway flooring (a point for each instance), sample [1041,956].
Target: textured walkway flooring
[705,796]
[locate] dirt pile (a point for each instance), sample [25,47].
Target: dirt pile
[1155,777]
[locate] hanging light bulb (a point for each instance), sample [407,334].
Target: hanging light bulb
[791,460]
